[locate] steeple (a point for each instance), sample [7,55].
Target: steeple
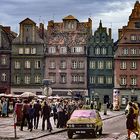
[100,24]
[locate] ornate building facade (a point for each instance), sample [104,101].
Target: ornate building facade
[6,37]
[100,65]
[127,59]
[66,57]
[28,58]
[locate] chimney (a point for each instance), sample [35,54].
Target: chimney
[41,28]
[110,33]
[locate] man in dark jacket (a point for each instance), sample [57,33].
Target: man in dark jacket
[46,110]
[37,109]
[25,114]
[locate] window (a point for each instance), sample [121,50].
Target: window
[37,64]
[109,80]
[37,79]
[133,51]
[133,37]
[17,65]
[3,59]
[100,64]
[27,79]
[133,81]
[52,65]
[17,79]
[92,80]
[133,65]
[77,49]
[27,50]
[100,80]
[62,78]
[27,64]
[63,50]
[103,51]
[123,65]
[125,51]
[52,50]
[74,64]
[92,65]
[97,50]
[81,65]
[33,50]
[52,76]
[63,64]
[20,51]
[76,78]
[123,80]
[108,64]
[3,77]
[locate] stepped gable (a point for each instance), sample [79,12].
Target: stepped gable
[135,12]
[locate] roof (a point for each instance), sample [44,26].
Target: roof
[27,20]
[69,17]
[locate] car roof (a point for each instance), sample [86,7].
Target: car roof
[89,113]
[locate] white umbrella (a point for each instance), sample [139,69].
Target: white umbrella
[28,94]
[41,96]
[2,95]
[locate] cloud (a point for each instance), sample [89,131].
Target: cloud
[14,11]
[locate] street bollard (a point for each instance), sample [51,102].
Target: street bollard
[15,133]
[105,109]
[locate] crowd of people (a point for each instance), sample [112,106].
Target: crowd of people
[59,109]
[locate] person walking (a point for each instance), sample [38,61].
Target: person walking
[37,110]
[0,108]
[130,121]
[4,108]
[25,115]
[46,110]
[31,116]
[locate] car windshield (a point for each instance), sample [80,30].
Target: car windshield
[84,114]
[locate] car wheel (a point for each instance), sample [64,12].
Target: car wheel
[70,134]
[100,131]
[94,134]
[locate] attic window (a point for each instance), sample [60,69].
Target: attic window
[137,24]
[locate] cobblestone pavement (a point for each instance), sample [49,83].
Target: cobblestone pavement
[7,127]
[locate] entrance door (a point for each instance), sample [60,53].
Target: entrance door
[134,98]
[106,99]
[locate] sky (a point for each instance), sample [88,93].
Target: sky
[113,13]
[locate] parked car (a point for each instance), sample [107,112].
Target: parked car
[83,122]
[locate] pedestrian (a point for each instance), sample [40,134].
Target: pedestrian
[91,105]
[130,121]
[4,108]
[25,115]
[0,108]
[31,116]
[37,112]
[60,112]
[46,110]
[136,114]
[54,113]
